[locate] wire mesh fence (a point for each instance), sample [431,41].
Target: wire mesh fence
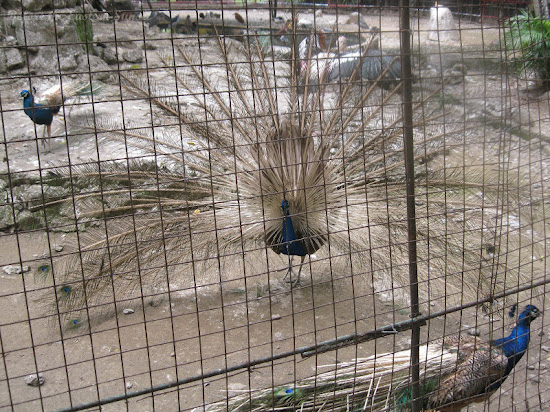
[250,206]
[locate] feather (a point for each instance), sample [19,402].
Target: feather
[335,158]
[454,371]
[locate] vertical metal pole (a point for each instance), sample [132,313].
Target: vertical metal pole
[406,76]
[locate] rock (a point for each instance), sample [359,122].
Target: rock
[50,39]
[129,385]
[35,380]
[276,317]
[356,18]
[15,269]
[474,332]
[43,5]
[109,56]
[58,248]
[128,311]
[545,348]
[100,70]
[442,25]
[133,56]
[29,220]
[6,217]
[534,378]
[304,24]
[14,60]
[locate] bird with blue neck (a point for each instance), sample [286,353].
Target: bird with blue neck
[293,243]
[42,107]
[455,371]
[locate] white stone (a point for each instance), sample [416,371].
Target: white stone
[442,25]
[15,270]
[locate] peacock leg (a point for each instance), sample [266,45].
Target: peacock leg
[293,278]
[47,128]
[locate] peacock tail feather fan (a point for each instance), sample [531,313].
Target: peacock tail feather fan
[238,141]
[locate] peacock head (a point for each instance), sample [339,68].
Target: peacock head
[529,314]
[285,206]
[24,94]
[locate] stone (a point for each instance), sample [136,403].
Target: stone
[133,56]
[59,248]
[6,217]
[109,56]
[50,41]
[29,220]
[442,25]
[94,64]
[128,311]
[35,380]
[14,60]
[15,269]
[43,5]
[474,332]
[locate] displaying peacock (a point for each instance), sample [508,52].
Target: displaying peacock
[41,108]
[249,161]
[454,371]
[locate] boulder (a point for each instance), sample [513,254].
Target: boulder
[442,25]
[50,42]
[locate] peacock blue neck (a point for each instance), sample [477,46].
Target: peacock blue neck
[515,344]
[28,100]
[290,244]
[37,112]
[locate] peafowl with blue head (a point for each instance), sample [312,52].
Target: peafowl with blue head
[253,169]
[42,107]
[455,371]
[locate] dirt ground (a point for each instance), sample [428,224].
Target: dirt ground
[200,330]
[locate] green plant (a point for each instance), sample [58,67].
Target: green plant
[527,38]
[85,31]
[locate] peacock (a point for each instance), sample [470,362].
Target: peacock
[250,161]
[454,371]
[41,108]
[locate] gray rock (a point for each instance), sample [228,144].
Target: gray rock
[109,56]
[15,269]
[40,5]
[99,69]
[29,220]
[128,311]
[474,332]
[133,56]
[14,60]
[6,217]
[35,380]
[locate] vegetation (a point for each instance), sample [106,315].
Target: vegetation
[527,39]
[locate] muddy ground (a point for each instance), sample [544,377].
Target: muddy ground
[197,331]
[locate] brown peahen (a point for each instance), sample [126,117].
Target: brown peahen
[454,372]
[247,161]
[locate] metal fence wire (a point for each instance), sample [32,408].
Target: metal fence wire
[274,206]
